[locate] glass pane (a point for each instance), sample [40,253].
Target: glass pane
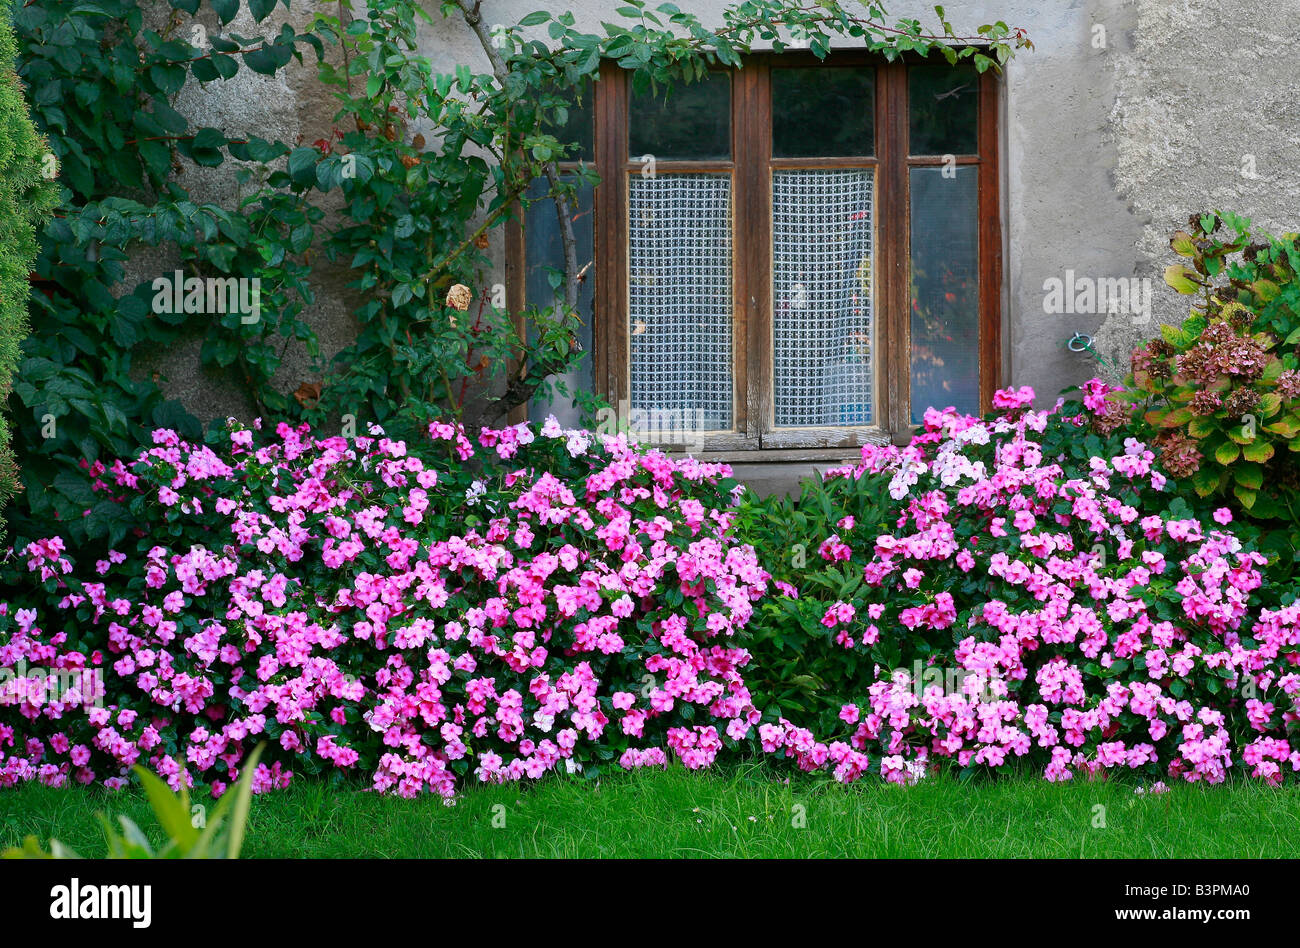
[945,289]
[942,106]
[544,253]
[690,121]
[680,300]
[821,290]
[578,129]
[823,111]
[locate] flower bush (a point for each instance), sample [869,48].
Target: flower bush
[419,613]
[1021,589]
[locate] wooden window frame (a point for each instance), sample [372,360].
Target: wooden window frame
[753,437]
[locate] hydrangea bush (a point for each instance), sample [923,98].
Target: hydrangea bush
[1218,397]
[1022,590]
[1224,385]
[417,613]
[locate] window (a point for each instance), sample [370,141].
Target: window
[793,256]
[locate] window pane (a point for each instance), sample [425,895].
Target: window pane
[690,121]
[680,300]
[945,289]
[578,128]
[823,112]
[942,107]
[543,253]
[821,291]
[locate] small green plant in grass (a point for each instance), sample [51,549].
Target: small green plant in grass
[215,837]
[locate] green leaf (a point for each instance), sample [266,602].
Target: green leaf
[1288,427]
[1207,480]
[227,10]
[1183,244]
[1258,452]
[171,811]
[1266,290]
[1183,280]
[1227,452]
[1249,475]
[205,148]
[265,60]
[243,800]
[302,164]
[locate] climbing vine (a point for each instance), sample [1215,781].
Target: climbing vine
[418,168]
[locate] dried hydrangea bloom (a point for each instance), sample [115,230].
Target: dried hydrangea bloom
[1153,359]
[1179,455]
[1222,352]
[1109,417]
[1288,384]
[1205,403]
[1241,402]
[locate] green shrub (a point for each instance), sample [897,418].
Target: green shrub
[25,198]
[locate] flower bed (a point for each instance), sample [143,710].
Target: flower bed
[1023,588]
[415,612]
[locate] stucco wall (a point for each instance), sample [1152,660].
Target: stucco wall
[1127,116]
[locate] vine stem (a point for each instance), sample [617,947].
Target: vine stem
[470,9]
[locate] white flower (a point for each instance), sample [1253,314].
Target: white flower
[578,443]
[909,472]
[476,490]
[551,429]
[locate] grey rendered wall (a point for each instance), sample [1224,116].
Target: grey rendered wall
[1127,116]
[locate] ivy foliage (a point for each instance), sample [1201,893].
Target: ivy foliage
[104,79]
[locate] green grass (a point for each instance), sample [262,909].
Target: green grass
[739,812]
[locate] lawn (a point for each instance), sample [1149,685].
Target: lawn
[738,812]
